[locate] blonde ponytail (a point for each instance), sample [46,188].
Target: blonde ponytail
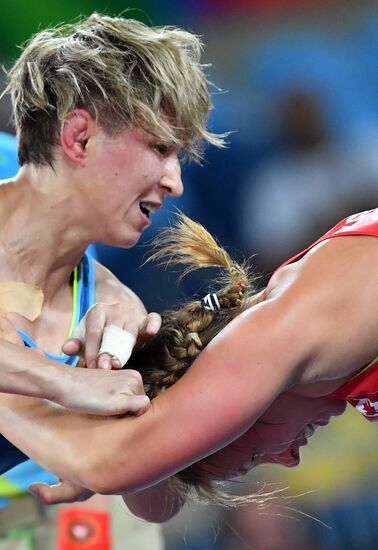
[185,332]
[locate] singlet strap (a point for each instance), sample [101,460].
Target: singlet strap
[364,369]
[74,300]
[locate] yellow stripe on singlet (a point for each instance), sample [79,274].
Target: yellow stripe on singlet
[9,489]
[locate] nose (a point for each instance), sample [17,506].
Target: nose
[171,179]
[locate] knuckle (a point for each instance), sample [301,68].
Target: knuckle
[93,330]
[99,306]
[118,307]
[95,313]
[136,377]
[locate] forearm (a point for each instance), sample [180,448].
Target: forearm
[156,504]
[183,425]
[56,438]
[24,372]
[86,450]
[102,454]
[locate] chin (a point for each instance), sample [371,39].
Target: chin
[126,241]
[130,243]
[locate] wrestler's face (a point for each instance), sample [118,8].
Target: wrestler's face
[287,424]
[130,175]
[275,438]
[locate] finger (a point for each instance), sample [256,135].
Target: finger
[95,323]
[72,346]
[61,492]
[116,363]
[153,323]
[136,405]
[149,327]
[117,343]
[104,361]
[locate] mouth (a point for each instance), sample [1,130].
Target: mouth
[148,208]
[295,454]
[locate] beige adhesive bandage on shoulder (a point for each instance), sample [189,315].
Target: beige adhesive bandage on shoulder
[22,298]
[115,341]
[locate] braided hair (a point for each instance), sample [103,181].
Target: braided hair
[185,332]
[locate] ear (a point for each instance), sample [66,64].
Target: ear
[77,128]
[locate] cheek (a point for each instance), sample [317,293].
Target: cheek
[276,438]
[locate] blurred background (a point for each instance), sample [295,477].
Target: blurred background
[297,85]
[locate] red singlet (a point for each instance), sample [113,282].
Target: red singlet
[361,391]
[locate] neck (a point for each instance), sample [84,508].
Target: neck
[41,240]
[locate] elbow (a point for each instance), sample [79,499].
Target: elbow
[109,477]
[103,481]
[101,476]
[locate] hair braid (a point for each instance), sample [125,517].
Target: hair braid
[184,333]
[187,331]
[189,244]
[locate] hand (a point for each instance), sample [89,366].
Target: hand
[64,491]
[92,328]
[99,392]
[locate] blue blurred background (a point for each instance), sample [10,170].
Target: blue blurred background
[299,92]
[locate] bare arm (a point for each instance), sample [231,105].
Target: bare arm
[156,504]
[25,372]
[210,406]
[300,335]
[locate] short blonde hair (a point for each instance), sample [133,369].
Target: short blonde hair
[123,72]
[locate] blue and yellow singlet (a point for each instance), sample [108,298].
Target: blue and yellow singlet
[19,476]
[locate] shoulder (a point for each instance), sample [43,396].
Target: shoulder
[345,258]
[326,296]
[109,289]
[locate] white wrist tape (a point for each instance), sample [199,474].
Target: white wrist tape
[115,341]
[118,343]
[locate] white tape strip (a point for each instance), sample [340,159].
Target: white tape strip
[118,343]
[115,341]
